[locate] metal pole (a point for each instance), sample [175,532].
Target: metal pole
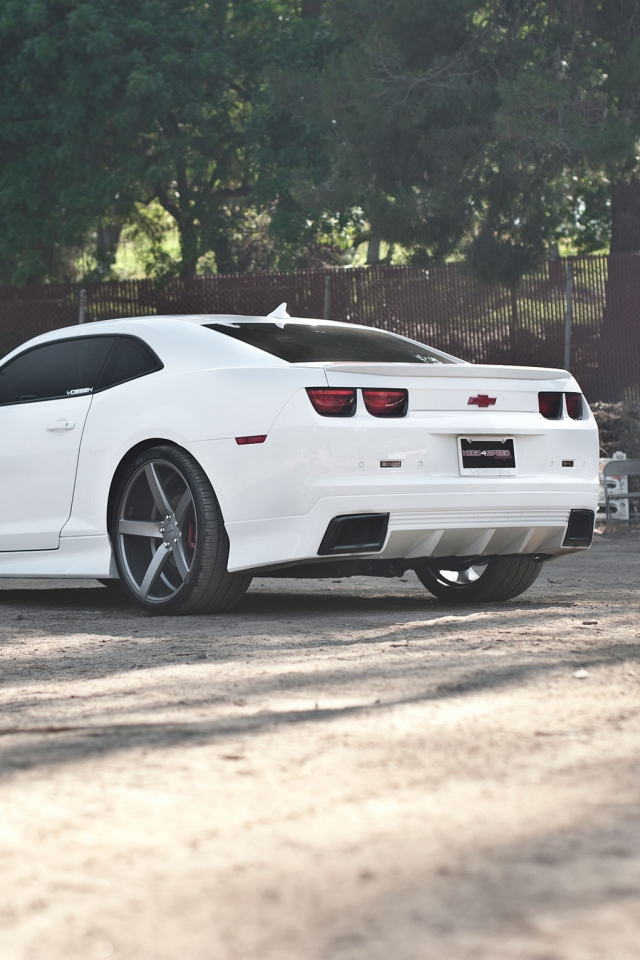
[568,316]
[82,312]
[327,297]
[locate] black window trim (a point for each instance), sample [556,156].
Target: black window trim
[117,337]
[159,365]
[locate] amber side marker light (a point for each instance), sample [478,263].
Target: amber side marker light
[243,441]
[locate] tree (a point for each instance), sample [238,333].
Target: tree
[109,104]
[487,127]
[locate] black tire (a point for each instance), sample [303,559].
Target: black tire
[498,579]
[164,502]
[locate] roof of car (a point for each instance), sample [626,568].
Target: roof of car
[163,335]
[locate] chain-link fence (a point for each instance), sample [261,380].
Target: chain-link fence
[442,305]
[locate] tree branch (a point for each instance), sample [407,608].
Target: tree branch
[169,205]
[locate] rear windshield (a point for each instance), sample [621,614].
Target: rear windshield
[320,342]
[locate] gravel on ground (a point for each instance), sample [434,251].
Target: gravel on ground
[342,770]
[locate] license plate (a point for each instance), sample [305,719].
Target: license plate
[487,456]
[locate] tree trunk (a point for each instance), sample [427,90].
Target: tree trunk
[225,260]
[625,217]
[107,241]
[189,249]
[619,365]
[373,250]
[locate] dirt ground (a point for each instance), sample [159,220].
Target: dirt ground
[338,771]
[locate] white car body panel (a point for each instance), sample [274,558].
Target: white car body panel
[76,558]
[278,497]
[41,442]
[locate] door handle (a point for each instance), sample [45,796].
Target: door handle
[60,425]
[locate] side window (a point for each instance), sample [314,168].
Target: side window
[130,359]
[65,368]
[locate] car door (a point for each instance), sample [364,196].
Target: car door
[45,395]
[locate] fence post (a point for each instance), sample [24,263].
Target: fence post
[568,316]
[327,297]
[82,311]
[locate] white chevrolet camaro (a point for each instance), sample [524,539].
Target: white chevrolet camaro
[181,456]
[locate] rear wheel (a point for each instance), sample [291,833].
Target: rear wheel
[494,580]
[169,540]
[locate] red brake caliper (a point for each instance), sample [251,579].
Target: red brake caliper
[191,535]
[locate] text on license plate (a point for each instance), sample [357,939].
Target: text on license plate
[498,454]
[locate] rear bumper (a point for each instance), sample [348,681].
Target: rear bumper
[278,497]
[422,525]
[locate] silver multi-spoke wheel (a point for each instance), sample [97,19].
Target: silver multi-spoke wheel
[493,580]
[170,543]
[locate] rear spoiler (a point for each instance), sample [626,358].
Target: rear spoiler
[446,370]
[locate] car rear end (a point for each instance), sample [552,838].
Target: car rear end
[437,458]
[485,460]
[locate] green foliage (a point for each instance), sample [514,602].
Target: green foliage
[492,128]
[587,224]
[110,105]
[149,244]
[239,135]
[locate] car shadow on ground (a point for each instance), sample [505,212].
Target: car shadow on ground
[270,602]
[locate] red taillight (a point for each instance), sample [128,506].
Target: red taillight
[332,401]
[385,403]
[550,405]
[574,405]
[258,438]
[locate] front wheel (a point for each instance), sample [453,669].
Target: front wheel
[493,580]
[168,536]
